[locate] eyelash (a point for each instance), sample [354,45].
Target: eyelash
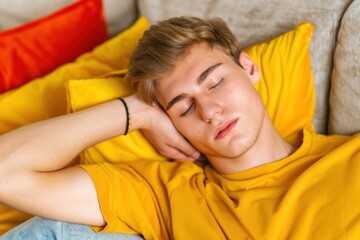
[217,85]
[187,110]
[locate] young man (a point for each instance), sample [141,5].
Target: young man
[198,84]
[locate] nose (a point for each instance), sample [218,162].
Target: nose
[209,109]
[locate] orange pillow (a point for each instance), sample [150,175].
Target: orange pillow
[35,49]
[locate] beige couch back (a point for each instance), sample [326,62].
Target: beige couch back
[345,86]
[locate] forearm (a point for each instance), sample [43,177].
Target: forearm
[33,177]
[50,145]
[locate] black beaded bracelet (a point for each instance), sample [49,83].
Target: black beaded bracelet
[127,115]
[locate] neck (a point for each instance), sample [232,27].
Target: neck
[268,147]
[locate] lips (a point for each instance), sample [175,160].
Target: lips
[225,129]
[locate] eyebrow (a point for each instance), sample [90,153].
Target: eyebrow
[199,80]
[205,73]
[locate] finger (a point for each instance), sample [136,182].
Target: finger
[183,146]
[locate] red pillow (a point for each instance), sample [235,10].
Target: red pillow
[35,49]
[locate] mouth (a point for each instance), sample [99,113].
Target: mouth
[225,129]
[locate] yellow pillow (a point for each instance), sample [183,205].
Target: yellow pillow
[286,87]
[88,92]
[45,97]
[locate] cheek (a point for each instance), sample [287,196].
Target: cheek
[233,97]
[188,128]
[244,94]
[184,127]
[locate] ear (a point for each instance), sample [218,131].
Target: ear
[250,67]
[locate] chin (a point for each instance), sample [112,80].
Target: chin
[228,152]
[238,147]
[233,148]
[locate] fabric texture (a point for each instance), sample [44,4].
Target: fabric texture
[45,97]
[286,87]
[254,21]
[38,47]
[312,194]
[345,84]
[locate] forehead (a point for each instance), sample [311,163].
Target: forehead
[194,61]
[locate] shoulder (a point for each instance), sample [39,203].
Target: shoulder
[327,143]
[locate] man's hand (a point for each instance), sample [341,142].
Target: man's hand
[167,140]
[160,131]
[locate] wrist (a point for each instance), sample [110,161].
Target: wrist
[138,113]
[127,114]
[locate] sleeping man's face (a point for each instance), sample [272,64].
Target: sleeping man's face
[212,102]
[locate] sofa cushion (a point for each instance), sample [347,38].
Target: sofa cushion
[254,21]
[38,47]
[345,86]
[286,85]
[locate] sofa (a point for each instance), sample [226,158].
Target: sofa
[335,58]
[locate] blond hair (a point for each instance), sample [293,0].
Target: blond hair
[163,44]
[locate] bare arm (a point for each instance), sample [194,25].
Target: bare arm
[32,160]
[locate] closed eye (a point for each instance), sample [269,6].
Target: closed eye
[217,85]
[188,110]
